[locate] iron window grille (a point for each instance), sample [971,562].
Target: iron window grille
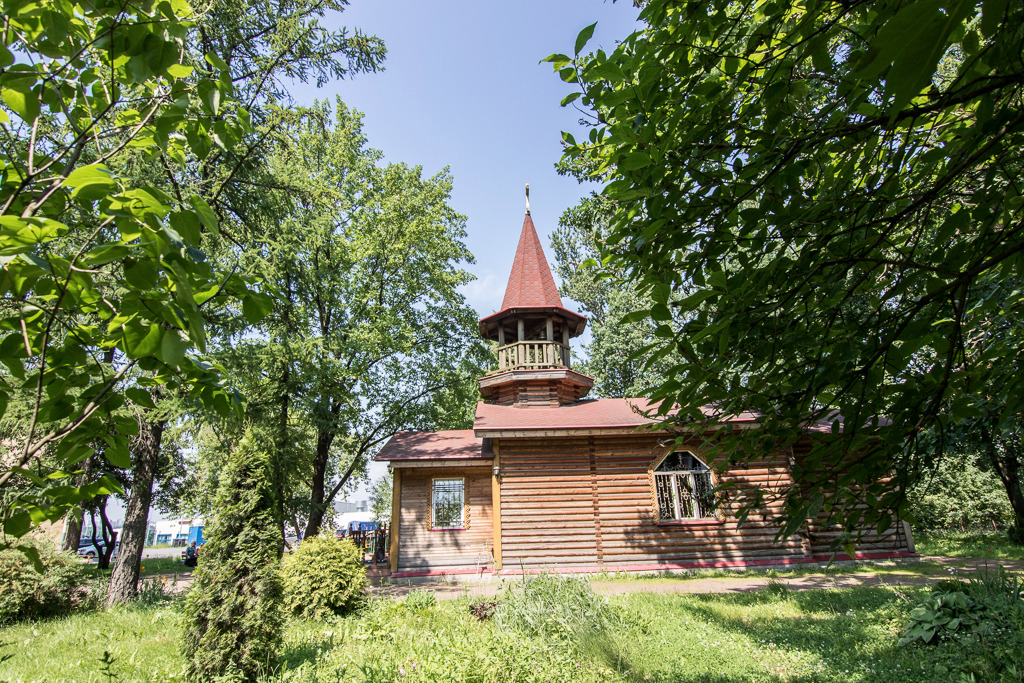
[684,488]
[448,504]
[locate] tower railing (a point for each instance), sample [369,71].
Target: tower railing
[533,355]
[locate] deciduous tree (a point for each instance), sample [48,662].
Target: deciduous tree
[103,276]
[816,196]
[368,327]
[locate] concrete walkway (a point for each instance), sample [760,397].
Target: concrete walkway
[916,573]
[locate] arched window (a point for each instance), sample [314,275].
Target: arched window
[683,487]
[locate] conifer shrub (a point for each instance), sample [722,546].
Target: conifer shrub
[62,587]
[323,577]
[233,614]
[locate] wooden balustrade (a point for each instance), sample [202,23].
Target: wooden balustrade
[533,355]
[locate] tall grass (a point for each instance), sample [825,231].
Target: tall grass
[554,605]
[839,635]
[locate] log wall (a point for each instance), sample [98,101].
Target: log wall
[821,533]
[587,502]
[421,548]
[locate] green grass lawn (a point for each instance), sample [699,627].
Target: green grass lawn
[164,565]
[769,635]
[150,567]
[954,544]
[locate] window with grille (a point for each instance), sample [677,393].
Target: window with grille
[448,504]
[683,487]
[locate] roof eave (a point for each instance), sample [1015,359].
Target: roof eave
[578,322]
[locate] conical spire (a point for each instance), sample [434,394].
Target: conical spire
[530,283]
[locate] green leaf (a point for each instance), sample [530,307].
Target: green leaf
[584,36]
[179,71]
[209,93]
[142,340]
[635,160]
[91,182]
[21,100]
[911,43]
[32,553]
[18,524]
[140,396]
[255,308]
[188,226]
[116,453]
[173,348]
[992,14]
[206,214]
[141,274]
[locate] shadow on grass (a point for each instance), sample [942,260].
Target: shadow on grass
[832,628]
[914,567]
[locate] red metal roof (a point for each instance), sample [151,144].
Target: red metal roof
[455,444]
[587,414]
[530,283]
[531,286]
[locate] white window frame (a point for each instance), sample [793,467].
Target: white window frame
[461,522]
[682,486]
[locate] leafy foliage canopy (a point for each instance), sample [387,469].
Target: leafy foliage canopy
[823,202]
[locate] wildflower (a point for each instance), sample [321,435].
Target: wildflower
[401,671]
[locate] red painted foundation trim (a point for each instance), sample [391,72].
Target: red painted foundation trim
[709,564]
[413,573]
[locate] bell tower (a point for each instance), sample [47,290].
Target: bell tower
[533,330]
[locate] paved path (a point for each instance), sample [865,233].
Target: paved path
[914,574]
[163,552]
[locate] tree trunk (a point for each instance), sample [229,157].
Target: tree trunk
[1005,459]
[73,533]
[124,582]
[317,491]
[73,537]
[104,543]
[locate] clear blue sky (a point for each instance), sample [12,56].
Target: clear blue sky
[463,88]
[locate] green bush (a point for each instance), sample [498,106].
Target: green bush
[325,576]
[986,611]
[960,495]
[63,587]
[233,616]
[940,615]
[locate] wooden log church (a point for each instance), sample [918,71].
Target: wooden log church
[548,479]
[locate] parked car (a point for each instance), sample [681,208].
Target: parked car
[91,552]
